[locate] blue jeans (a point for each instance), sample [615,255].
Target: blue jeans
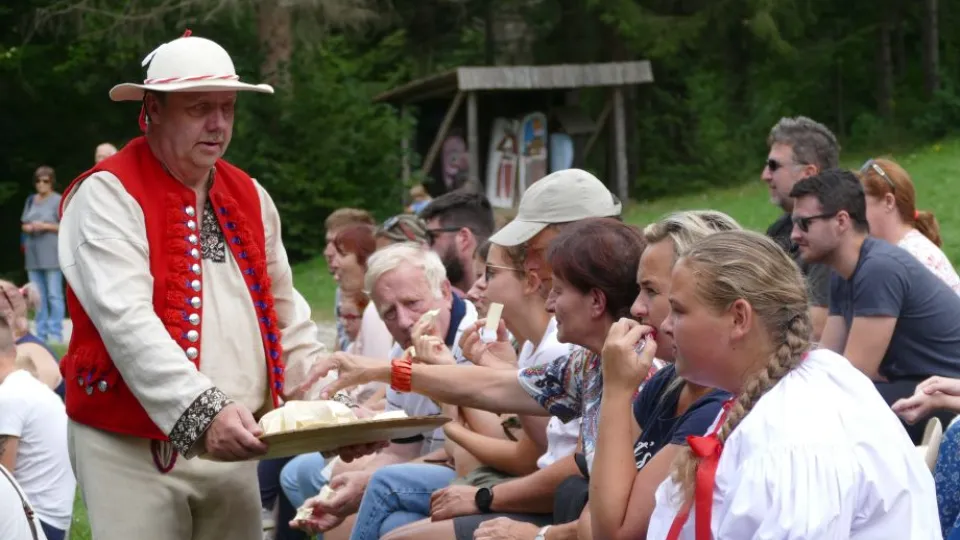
[396,496]
[51,532]
[50,311]
[946,477]
[301,478]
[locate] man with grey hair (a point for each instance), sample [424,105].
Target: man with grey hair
[405,281]
[800,147]
[103,151]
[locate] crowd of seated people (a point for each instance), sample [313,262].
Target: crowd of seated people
[647,351]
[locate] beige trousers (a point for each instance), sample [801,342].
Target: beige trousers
[127,497]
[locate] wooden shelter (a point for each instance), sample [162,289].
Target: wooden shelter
[472,84]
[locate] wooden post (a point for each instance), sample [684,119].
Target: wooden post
[473,142]
[600,126]
[620,134]
[405,148]
[442,133]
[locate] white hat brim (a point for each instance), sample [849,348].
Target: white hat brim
[134,92]
[517,232]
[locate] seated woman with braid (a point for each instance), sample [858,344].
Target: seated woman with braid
[807,448]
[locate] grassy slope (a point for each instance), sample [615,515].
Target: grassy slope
[932,169]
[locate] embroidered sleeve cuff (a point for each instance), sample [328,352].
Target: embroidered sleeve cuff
[196,419]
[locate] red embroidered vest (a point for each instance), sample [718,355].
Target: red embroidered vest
[96,394]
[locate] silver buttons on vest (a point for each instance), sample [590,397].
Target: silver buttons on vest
[194,319]
[195,285]
[195,253]
[193,239]
[102,386]
[193,336]
[89,390]
[196,268]
[190,211]
[192,225]
[192,353]
[195,302]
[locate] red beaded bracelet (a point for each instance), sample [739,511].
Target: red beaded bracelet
[401,375]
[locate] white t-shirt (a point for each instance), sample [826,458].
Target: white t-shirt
[419,405]
[13,519]
[820,456]
[30,411]
[561,438]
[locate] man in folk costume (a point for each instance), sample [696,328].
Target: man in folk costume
[184,313]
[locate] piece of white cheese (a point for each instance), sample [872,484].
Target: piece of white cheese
[303,513]
[488,333]
[296,415]
[325,493]
[429,317]
[390,415]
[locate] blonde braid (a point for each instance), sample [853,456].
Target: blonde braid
[749,270]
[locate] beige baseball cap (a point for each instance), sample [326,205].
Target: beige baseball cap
[560,197]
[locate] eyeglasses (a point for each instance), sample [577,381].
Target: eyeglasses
[488,275]
[775,165]
[871,164]
[803,223]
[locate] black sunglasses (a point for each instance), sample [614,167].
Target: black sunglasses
[871,164]
[803,223]
[775,165]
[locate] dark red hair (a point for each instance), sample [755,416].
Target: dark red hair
[356,239]
[601,254]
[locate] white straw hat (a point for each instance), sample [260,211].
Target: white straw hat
[187,64]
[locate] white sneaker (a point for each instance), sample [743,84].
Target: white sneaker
[268,516]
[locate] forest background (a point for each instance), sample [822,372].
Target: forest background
[882,74]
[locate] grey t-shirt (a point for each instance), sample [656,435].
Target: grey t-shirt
[40,249]
[890,282]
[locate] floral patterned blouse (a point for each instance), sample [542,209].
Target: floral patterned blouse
[571,387]
[932,257]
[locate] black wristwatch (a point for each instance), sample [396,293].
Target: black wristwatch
[483,500]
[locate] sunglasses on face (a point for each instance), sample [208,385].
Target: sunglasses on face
[775,165]
[872,165]
[803,223]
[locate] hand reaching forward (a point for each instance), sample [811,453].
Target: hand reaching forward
[348,488]
[499,354]
[233,435]
[623,368]
[930,395]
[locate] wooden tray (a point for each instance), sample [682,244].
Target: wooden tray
[320,439]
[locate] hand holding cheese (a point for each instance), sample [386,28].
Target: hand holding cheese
[425,326]
[489,332]
[296,415]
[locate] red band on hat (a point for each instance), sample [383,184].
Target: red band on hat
[169,80]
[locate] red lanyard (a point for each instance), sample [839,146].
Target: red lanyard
[708,449]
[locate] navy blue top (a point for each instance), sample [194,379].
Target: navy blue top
[655,410]
[30,338]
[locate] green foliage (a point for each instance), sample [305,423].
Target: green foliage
[321,145]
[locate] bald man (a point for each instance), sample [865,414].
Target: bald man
[104,151]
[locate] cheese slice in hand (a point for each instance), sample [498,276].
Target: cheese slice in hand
[429,317]
[304,513]
[296,415]
[489,332]
[325,493]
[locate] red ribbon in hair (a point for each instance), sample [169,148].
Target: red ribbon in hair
[708,449]
[916,215]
